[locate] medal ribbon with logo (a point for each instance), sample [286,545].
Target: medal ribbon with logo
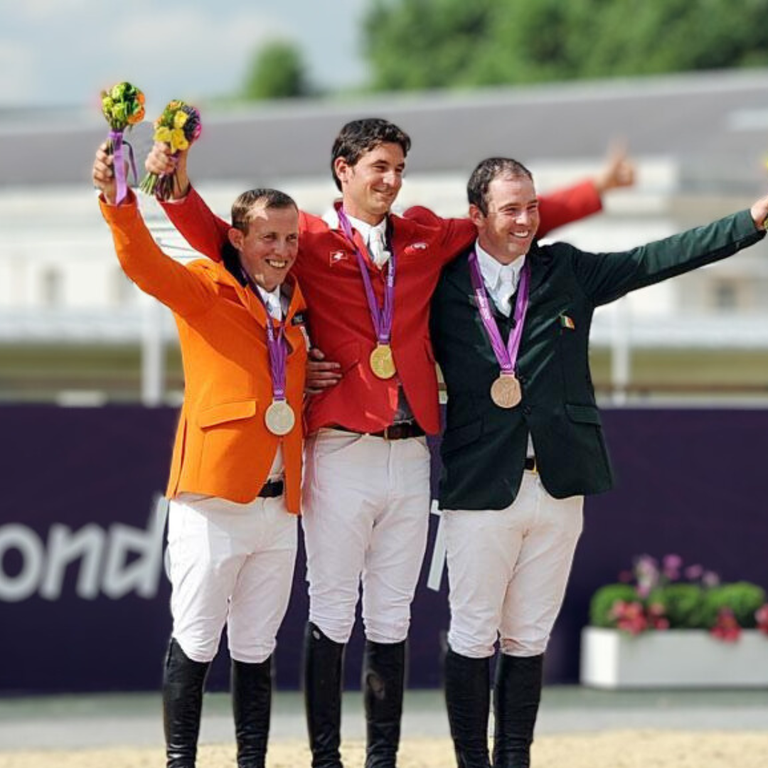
[279,417]
[505,390]
[381,360]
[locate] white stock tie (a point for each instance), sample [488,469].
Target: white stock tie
[506,291]
[377,247]
[273,306]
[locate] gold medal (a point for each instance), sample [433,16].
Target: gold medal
[382,363]
[279,417]
[505,391]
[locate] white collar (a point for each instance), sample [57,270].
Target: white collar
[272,298]
[331,218]
[492,269]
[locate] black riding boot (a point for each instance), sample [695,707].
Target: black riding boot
[323,662]
[251,706]
[183,683]
[517,692]
[383,681]
[468,699]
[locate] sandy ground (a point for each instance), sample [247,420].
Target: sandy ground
[577,728]
[617,749]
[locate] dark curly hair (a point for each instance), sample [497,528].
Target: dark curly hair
[361,136]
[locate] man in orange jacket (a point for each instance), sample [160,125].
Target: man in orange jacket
[368,275]
[237,462]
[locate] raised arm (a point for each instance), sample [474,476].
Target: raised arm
[188,212]
[567,205]
[605,277]
[141,258]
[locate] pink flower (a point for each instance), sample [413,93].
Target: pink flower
[694,572]
[761,616]
[630,617]
[671,566]
[710,579]
[726,628]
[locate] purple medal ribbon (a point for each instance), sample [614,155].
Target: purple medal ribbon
[276,344]
[116,139]
[382,319]
[505,354]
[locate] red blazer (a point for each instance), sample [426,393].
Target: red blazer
[223,447]
[339,319]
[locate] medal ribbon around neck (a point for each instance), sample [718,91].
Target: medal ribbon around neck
[381,318]
[279,416]
[505,354]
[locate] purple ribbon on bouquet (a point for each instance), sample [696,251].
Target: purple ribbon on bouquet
[382,318]
[118,164]
[505,354]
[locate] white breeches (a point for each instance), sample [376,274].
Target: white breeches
[508,570]
[365,518]
[230,564]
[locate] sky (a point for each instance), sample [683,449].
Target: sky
[64,52]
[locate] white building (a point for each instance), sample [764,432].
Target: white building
[73,327]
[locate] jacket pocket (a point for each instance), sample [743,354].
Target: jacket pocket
[224,412]
[583,414]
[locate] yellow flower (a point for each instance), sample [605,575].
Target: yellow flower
[163,134]
[179,119]
[178,140]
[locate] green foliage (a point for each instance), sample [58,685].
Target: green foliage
[603,601]
[417,44]
[742,597]
[277,72]
[683,604]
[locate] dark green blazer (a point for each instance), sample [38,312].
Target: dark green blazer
[484,446]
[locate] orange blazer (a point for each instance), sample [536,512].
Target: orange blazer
[222,447]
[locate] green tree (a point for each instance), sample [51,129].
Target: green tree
[416,44]
[277,72]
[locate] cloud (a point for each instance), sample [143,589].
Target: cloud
[194,54]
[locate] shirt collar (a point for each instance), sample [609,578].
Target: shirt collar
[331,218]
[492,269]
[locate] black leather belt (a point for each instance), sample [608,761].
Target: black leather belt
[530,464]
[401,431]
[271,489]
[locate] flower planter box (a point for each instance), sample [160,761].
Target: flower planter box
[678,658]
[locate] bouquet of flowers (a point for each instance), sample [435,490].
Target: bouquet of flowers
[179,126]
[123,107]
[659,595]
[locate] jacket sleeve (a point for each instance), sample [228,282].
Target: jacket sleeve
[198,224]
[605,277]
[565,206]
[152,270]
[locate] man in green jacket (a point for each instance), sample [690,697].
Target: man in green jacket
[523,442]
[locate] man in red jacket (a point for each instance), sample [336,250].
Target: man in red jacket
[368,276]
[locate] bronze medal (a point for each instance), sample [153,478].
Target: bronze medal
[505,391]
[279,418]
[382,362]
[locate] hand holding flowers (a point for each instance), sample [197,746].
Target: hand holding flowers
[178,127]
[123,107]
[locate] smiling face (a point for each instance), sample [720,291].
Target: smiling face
[507,230]
[269,247]
[371,185]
